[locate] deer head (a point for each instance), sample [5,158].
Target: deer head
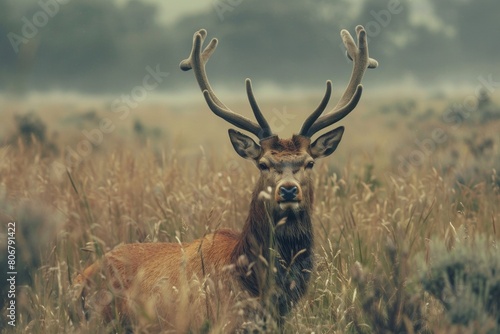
[285,164]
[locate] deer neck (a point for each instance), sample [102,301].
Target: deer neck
[284,240]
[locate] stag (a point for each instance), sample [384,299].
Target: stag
[250,278]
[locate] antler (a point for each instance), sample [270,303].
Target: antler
[197,61]
[352,94]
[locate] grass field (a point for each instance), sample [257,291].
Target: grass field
[407,217]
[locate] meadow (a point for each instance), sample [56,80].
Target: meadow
[406,215]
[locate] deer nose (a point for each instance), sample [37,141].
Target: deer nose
[288,193]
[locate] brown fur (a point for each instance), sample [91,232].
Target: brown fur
[286,147]
[235,280]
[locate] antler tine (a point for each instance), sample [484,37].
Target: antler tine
[319,110]
[196,61]
[352,94]
[266,129]
[337,115]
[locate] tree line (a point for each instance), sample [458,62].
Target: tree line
[96,46]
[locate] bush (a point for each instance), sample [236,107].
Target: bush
[466,281]
[390,303]
[30,127]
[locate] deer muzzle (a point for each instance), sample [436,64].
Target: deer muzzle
[288,192]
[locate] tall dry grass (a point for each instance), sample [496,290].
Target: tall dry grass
[380,235]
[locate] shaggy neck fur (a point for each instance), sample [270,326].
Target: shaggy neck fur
[267,241]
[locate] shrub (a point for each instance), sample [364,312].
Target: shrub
[390,302]
[29,127]
[466,280]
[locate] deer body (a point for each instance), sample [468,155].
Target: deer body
[238,281]
[144,279]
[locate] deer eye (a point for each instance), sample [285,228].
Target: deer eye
[310,165]
[263,166]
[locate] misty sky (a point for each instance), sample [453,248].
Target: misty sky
[103,46]
[172,10]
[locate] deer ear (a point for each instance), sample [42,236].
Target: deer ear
[327,143]
[245,146]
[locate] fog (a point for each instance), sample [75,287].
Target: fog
[103,47]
